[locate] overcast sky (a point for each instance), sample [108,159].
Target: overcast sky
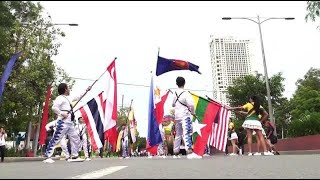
[133,31]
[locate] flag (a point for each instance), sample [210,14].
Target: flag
[165,65]
[110,106]
[155,115]
[7,72]
[132,126]
[206,112]
[92,114]
[152,149]
[45,114]
[219,135]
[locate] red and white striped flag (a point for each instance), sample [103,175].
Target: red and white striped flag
[219,135]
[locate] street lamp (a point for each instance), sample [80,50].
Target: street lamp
[264,58]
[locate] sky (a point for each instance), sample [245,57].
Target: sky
[133,32]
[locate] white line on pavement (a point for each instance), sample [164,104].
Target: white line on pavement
[99,173]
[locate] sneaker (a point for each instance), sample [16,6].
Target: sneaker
[193,156]
[87,159]
[48,160]
[75,159]
[233,154]
[150,157]
[268,153]
[250,154]
[257,154]
[127,157]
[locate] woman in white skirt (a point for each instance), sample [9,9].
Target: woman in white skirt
[252,122]
[233,137]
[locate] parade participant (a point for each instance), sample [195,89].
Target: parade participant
[252,122]
[51,127]
[65,125]
[122,142]
[233,137]
[184,108]
[3,136]
[82,131]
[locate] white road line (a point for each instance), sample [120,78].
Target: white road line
[99,173]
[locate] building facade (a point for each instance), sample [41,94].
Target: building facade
[230,59]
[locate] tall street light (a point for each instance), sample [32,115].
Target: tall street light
[264,58]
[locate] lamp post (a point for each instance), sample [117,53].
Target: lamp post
[264,59]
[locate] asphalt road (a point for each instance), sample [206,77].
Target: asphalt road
[239,167]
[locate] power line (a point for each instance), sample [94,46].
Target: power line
[141,85]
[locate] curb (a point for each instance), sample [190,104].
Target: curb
[23,159]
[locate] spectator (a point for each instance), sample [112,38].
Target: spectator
[18,140]
[3,136]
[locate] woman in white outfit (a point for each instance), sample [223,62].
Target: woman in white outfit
[252,122]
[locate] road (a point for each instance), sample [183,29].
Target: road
[283,166]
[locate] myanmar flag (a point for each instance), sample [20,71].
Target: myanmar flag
[206,112]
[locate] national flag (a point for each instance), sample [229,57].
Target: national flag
[155,115]
[165,65]
[110,106]
[152,149]
[92,114]
[132,125]
[45,115]
[219,134]
[206,112]
[7,72]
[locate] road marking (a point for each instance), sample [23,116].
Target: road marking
[99,173]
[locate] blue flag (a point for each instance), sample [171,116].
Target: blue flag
[7,72]
[165,65]
[154,136]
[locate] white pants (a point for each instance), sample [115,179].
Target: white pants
[64,146]
[183,130]
[84,145]
[63,128]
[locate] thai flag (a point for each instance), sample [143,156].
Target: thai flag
[155,115]
[92,113]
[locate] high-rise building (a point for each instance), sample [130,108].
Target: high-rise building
[230,59]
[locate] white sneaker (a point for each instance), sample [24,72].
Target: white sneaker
[268,153]
[176,157]
[48,160]
[257,154]
[76,160]
[193,156]
[250,154]
[87,159]
[233,154]
[150,157]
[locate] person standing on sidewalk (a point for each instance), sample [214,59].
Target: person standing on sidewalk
[3,136]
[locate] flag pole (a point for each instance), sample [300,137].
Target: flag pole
[128,124]
[91,87]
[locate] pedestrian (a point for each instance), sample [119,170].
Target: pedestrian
[241,139]
[18,141]
[233,137]
[183,107]
[271,139]
[82,131]
[3,137]
[65,126]
[252,123]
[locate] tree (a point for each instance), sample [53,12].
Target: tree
[305,105]
[313,11]
[249,85]
[23,28]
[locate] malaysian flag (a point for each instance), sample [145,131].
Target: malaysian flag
[219,134]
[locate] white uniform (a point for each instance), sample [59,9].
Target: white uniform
[183,123]
[62,105]
[81,130]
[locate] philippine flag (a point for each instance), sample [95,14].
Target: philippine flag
[155,115]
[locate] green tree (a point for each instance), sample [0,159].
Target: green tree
[249,85]
[313,11]
[23,28]
[305,105]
